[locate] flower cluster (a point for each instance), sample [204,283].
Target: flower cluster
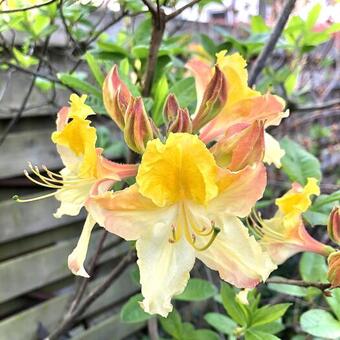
[195,182]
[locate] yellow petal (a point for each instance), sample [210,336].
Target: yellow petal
[182,168]
[78,108]
[127,213]
[237,257]
[164,268]
[80,138]
[77,257]
[272,152]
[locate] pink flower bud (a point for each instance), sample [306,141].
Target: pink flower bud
[138,128]
[116,97]
[333,226]
[182,122]
[171,107]
[214,98]
[334,269]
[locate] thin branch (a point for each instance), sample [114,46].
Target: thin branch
[150,6]
[67,29]
[274,37]
[326,105]
[300,283]
[8,11]
[92,296]
[180,10]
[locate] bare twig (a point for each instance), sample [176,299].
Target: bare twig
[180,10]
[16,10]
[274,37]
[323,106]
[150,6]
[300,283]
[92,296]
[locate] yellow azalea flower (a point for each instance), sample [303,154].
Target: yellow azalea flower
[243,105]
[84,167]
[78,108]
[284,235]
[184,206]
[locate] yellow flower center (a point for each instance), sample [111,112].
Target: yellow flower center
[181,169]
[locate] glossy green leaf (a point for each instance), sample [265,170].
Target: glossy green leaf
[197,290]
[185,91]
[235,311]
[258,25]
[321,323]
[288,289]
[298,163]
[258,335]
[268,314]
[313,267]
[132,312]
[220,322]
[313,16]
[95,68]
[160,93]
[83,86]
[334,302]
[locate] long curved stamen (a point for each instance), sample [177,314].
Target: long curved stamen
[53,186]
[18,199]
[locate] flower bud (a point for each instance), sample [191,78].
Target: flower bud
[171,107]
[240,148]
[182,122]
[116,97]
[333,226]
[334,269]
[138,129]
[214,98]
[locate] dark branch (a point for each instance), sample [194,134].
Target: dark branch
[180,10]
[274,37]
[300,283]
[150,6]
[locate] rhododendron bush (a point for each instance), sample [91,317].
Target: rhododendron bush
[174,143]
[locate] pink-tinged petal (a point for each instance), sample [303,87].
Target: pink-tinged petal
[77,258]
[62,118]
[237,149]
[164,267]
[113,170]
[127,213]
[282,243]
[239,191]
[202,73]
[237,257]
[266,107]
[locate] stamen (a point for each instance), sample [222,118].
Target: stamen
[39,183]
[212,239]
[19,200]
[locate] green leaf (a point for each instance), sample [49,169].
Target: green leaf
[272,327]
[232,307]
[95,68]
[197,290]
[268,314]
[24,60]
[132,312]
[111,47]
[258,335]
[220,322]
[172,324]
[334,302]
[185,91]
[258,25]
[288,289]
[313,267]
[160,93]
[313,16]
[204,334]
[79,84]
[43,84]
[320,323]
[208,44]
[291,81]
[298,163]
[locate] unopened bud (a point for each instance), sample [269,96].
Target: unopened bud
[171,107]
[138,129]
[182,122]
[116,97]
[333,226]
[214,98]
[334,269]
[240,147]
